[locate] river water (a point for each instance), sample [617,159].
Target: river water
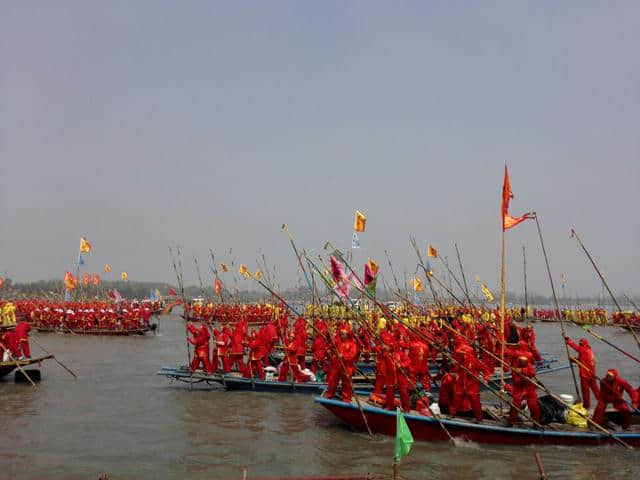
[121,418]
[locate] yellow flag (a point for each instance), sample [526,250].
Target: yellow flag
[224,267]
[107,268]
[432,252]
[257,275]
[244,271]
[487,293]
[85,246]
[124,276]
[416,283]
[359,222]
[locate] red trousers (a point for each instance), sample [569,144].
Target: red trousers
[619,405]
[404,396]
[528,394]
[336,376]
[235,359]
[474,400]
[254,368]
[586,385]
[204,359]
[285,369]
[23,344]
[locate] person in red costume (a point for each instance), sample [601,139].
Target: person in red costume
[223,341]
[21,334]
[397,372]
[290,361]
[587,364]
[529,336]
[466,391]
[256,355]
[200,341]
[347,351]
[446,394]
[237,348]
[319,349]
[612,388]
[523,389]
[419,368]
[384,350]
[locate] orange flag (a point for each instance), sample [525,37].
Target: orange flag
[432,252]
[217,286]
[359,222]
[96,279]
[86,279]
[224,267]
[507,220]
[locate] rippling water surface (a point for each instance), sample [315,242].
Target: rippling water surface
[120,417]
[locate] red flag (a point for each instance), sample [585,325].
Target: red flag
[86,279]
[96,279]
[507,220]
[1,282]
[171,292]
[110,294]
[217,286]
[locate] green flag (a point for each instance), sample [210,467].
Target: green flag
[404,439]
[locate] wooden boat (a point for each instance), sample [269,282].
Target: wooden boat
[98,331]
[235,381]
[7,367]
[488,431]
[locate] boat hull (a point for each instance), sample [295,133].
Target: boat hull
[427,428]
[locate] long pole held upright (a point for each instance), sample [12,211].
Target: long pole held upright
[604,282]
[558,313]
[464,279]
[502,338]
[526,297]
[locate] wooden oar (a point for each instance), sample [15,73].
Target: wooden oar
[17,362]
[604,282]
[54,357]
[588,330]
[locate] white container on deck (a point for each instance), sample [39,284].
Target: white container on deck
[567,399]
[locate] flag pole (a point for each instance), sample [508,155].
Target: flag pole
[502,311]
[526,297]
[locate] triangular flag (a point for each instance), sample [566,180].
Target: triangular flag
[432,252]
[85,246]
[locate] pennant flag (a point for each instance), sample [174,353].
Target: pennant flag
[360,221]
[224,267]
[68,281]
[371,277]
[171,292]
[432,252]
[244,271]
[487,293]
[355,241]
[217,286]
[373,266]
[404,439]
[80,259]
[257,275]
[116,295]
[507,220]
[124,276]
[416,283]
[86,279]
[85,246]
[337,270]
[158,295]
[107,268]
[96,279]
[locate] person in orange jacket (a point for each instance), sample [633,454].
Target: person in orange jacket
[347,351]
[587,366]
[200,341]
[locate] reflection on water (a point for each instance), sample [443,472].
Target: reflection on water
[121,418]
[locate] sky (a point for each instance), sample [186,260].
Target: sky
[210,124]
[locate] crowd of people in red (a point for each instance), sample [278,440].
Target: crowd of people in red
[254,314]
[88,315]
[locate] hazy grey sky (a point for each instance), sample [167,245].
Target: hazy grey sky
[142,124]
